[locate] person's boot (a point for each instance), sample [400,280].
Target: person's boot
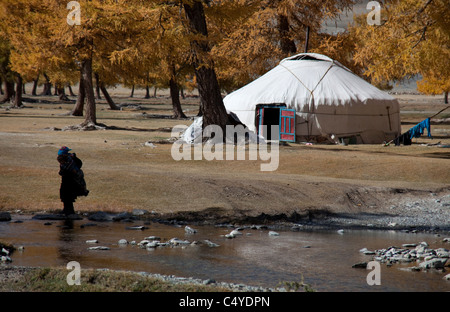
[68,208]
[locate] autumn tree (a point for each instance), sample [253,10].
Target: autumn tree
[274,30]
[159,55]
[45,41]
[412,39]
[340,47]
[179,43]
[30,56]
[5,72]
[102,25]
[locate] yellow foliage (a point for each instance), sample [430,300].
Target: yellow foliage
[414,38]
[253,45]
[148,42]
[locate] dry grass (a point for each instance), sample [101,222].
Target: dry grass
[54,280]
[123,174]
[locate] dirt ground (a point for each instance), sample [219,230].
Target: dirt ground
[123,173]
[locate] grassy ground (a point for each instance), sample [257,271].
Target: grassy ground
[55,280]
[123,174]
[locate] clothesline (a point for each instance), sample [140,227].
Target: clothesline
[418,130]
[415,132]
[439,112]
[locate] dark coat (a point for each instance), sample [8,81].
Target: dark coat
[72,182]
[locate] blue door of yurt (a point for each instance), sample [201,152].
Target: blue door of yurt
[269,115]
[287,125]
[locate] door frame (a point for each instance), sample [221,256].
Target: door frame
[283,134]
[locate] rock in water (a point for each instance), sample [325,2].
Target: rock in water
[360,265]
[176,241]
[436,263]
[5,216]
[190,230]
[152,238]
[152,244]
[233,234]
[139,212]
[100,216]
[210,244]
[99,248]
[53,217]
[123,216]
[138,227]
[5,259]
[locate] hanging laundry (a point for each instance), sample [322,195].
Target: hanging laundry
[418,130]
[404,139]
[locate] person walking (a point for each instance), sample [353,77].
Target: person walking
[72,179]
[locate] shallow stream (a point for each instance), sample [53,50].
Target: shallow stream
[322,259]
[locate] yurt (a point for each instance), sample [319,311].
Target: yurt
[314,98]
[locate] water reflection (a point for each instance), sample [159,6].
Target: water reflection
[66,236]
[322,259]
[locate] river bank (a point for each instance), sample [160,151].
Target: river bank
[391,209]
[32,279]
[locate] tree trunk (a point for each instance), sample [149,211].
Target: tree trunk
[175,96]
[9,91]
[79,106]
[287,44]
[18,93]
[1,86]
[47,86]
[154,91]
[307,39]
[35,83]
[86,72]
[213,109]
[446,97]
[62,93]
[147,92]
[132,91]
[108,98]
[97,87]
[70,90]
[182,93]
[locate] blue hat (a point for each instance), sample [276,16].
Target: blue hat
[64,150]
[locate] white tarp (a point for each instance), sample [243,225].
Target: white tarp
[193,134]
[329,100]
